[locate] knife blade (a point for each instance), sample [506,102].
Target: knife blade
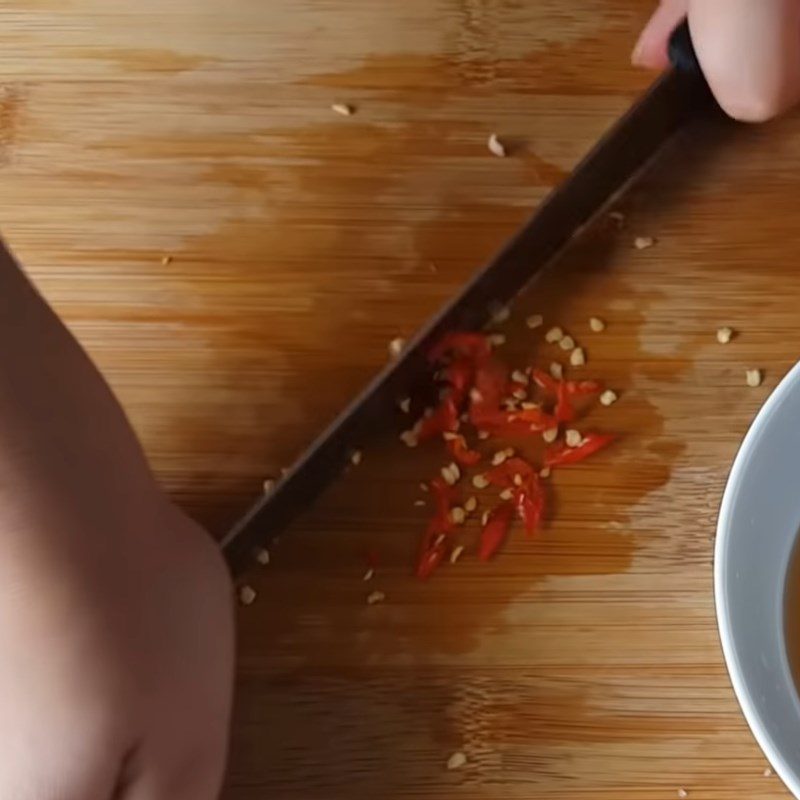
[677,98]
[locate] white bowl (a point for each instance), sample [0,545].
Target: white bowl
[758,524]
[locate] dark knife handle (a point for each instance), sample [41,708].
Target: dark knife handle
[681,50]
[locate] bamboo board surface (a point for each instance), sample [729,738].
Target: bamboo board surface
[584,663]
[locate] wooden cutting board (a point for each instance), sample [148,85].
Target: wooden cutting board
[236,257]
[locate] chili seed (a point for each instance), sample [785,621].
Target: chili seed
[643,242]
[754,377]
[573,438]
[423,486]
[451,473]
[262,556]
[458,515]
[554,335]
[396,347]
[556,370]
[269,485]
[355,457]
[483,435]
[724,335]
[550,435]
[566,343]
[683,793]
[419,503]
[480,481]
[344,109]
[518,376]
[456,761]
[577,357]
[166,261]
[498,458]
[499,313]
[475,395]
[506,494]
[409,438]
[456,554]
[519,394]
[471,504]
[247,595]
[496,147]
[609,397]
[530,406]
[405,405]
[518,480]
[368,575]
[485,517]
[534,321]
[597,325]
[544,472]
[496,339]
[767,773]
[375,597]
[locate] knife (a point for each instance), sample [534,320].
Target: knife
[677,98]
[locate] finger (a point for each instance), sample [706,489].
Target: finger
[651,48]
[197,776]
[750,54]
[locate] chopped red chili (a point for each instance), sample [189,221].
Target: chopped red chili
[459,375]
[534,418]
[444,418]
[559,454]
[550,385]
[545,381]
[444,497]
[457,445]
[432,552]
[495,531]
[577,388]
[491,380]
[503,474]
[530,502]
[564,411]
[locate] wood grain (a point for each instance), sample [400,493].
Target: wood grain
[584,663]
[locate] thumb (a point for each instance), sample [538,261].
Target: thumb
[750,54]
[651,48]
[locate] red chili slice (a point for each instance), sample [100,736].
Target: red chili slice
[550,385]
[564,411]
[457,445]
[459,375]
[488,392]
[559,454]
[503,474]
[495,531]
[429,558]
[444,418]
[530,502]
[444,496]
[534,418]
[491,379]
[545,381]
[578,388]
